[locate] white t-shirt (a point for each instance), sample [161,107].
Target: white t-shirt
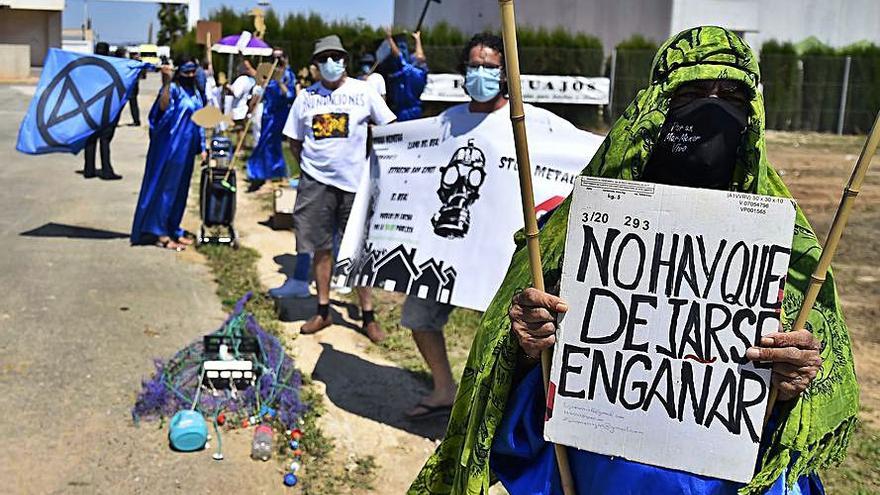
[460,120]
[378,82]
[241,92]
[332,124]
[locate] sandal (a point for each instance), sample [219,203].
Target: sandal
[168,243]
[186,241]
[430,411]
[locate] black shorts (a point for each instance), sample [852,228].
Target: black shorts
[320,212]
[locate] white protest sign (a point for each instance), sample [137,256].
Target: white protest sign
[536,89]
[436,217]
[667,287]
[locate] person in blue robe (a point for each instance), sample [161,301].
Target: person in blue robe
[407,77]
[175,140]
[267,161]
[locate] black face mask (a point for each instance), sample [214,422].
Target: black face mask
[187,81]
[697,145]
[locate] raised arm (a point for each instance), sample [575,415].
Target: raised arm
[420,52]
[165,92]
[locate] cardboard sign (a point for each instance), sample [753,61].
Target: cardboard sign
[436,216]
[667,288]
[205,27]
[571,90]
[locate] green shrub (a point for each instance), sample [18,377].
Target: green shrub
[632,71]
[822,87]
[780,74]
[863,97]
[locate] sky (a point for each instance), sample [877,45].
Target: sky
[124,22]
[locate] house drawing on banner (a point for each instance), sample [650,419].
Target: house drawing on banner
[429,281]
[446,290]
[396,270]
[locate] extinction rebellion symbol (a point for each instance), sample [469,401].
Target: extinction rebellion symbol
[72,101]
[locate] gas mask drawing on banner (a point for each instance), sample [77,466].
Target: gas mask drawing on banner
[460,183]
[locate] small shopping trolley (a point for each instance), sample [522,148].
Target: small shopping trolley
[217,191]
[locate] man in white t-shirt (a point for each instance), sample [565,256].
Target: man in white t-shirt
[241,90]
[328,126]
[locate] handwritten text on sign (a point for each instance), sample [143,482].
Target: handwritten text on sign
[667,288]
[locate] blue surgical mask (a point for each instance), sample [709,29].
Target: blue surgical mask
[332,70]
[482,84]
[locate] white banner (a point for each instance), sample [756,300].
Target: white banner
[536,89]
[437,215]
[667,287]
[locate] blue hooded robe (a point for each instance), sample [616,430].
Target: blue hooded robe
[406,82]
[175,140]
[267,160]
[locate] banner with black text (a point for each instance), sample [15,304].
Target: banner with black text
[437,214]
[667,287]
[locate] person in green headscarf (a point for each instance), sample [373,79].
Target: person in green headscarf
[704,81]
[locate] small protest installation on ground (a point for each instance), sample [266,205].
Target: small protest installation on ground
[437,214]
[667,288]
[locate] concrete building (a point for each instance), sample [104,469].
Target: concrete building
[28,28]
[835,22]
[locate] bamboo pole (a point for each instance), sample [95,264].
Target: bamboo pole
[517,119]
[247,125]
[847,201]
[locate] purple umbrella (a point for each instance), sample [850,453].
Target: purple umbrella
[243,43]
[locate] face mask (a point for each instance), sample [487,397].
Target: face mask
[331,70]
[365,69]
[697,145]
[187,81]
[482,84]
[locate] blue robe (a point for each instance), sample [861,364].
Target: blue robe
[405,85]
[175,140]
[526,464]
[267,159]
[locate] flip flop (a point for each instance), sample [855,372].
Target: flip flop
[430,411]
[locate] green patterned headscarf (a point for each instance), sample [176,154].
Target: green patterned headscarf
[813,430]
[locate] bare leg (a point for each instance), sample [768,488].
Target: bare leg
[432,346]
[323,265]
[365,294]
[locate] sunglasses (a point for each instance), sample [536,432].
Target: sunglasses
[323,57]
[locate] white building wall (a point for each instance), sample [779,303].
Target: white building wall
[611,21]
[835,22]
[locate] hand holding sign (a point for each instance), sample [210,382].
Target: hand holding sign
[795,358]
[533,316]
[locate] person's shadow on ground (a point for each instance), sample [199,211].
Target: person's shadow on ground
[381,393]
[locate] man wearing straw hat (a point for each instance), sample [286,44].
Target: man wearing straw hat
[705,78]
[327,127]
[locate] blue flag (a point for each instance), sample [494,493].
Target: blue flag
[77,95]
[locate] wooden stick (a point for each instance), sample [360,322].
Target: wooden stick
[833,239]
[517,119]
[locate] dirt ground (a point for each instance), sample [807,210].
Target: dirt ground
[816,168]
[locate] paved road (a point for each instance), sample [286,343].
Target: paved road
[82,314]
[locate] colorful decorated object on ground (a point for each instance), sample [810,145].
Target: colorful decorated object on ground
[273,403]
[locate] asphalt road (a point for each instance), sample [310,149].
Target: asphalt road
[82,315]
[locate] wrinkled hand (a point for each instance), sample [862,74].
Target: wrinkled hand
[795,358]
[417,35]
[533,320]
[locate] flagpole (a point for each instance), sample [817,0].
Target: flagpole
[847,200]
[517,119]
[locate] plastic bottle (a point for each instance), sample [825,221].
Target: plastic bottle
[261,447]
